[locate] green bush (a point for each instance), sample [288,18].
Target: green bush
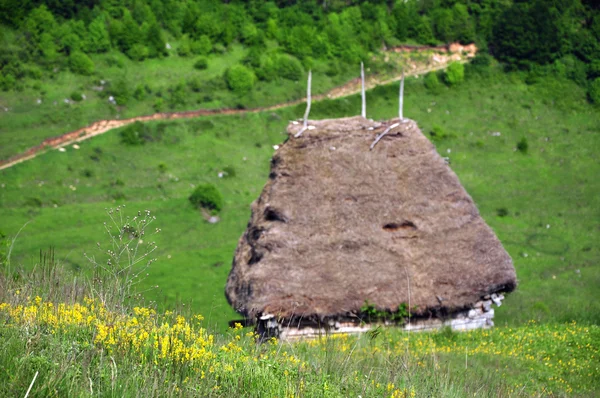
[432,83]
[184,49]
[438,134]
[229,171]
[201,63]
[289,67]
[77,97]
[202,46]
[523,145]
[455,73]
[208,197]
[120,91]
[81,64]
[138,52]
[594,91]
[133,134]
[240,79]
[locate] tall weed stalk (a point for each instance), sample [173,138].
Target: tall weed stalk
[122,264]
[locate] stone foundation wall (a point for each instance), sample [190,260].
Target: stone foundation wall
[480,316]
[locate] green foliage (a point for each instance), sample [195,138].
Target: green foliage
[98,39]
[155,41]
[523,145]
[502,212]
[138,52]
[76,96]
[202,46]
[207,196]
[455,74]
[594,91]
[439,134]
[229,172]
[201,63]
[240,79]
[81,64]
[134,134]
[370,313]
[531,31]
[121,91]
[288,67]
[432,83]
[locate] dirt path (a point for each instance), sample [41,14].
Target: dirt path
[447,54]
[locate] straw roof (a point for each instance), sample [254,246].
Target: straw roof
[338,224]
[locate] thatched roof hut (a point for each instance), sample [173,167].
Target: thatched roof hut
[338,225]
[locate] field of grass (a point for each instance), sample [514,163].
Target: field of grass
[85,348]
[551,194]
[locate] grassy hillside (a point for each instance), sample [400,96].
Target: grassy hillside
[44,109]
[543,204]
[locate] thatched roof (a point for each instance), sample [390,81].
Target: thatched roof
[338,224]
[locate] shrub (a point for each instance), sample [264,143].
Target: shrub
[289,67]
[439,134]
[140,92]
[159,105]
[121,91]
[201,63]
[240,79]
[195,84]
[229,171]
[138,52]
[133,134]
[184,49]
[455,73]
[202,46]
[207,196]
[523,145]
[502,212]
[81,64]
[432,83]
[594,91]
[77,97]
[333,68]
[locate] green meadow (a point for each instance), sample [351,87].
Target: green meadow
[542,200]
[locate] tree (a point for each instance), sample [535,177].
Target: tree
[155,41]
[98,39]
[463,29]
[528,32]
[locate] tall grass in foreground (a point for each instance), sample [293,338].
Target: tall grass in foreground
[82,343]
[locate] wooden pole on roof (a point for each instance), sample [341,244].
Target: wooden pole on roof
[307,112]
[363,111]
[307,99]
[401,100]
